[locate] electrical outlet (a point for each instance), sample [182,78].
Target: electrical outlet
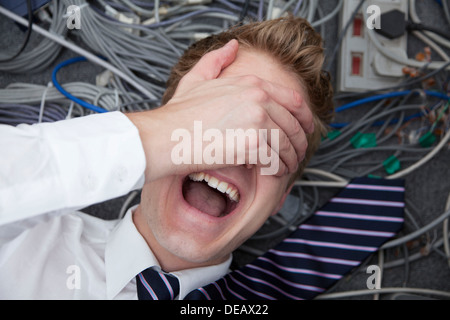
[361,67]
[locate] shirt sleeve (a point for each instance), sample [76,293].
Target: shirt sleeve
[68,165]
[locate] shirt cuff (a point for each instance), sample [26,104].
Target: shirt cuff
[99,157]
[68,165]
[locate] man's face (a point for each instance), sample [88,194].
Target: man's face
[188,223]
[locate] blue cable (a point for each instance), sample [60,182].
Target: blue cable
[378,123]
[381,97]
[67,94]
[387,96]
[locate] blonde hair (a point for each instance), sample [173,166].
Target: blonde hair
[296,45]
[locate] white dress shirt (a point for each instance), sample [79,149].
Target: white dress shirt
[48,248]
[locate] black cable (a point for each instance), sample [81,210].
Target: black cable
[421,27]
[395,25]
[27,37]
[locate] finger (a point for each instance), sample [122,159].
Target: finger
[292,101]
[283,148]
[292,129]
[260,147]
[270,160]
[211,64]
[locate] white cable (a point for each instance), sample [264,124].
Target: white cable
[433,45]
[312,10]
[346,294]
[445,232]
[422,161]
[329,16]
[325,184]
[417,233]
[324,173]
[127,202]
[69,113]
[41,109]
[415,18]
[338,182]
[341,182]
[89,56]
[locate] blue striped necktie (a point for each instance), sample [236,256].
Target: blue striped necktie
[154,285]
[335,240]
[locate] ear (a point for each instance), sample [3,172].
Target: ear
[283,198]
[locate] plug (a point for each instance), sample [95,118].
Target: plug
[393,24]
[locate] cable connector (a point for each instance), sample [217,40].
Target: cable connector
[394,24]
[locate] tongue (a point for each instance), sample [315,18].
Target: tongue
[204,198]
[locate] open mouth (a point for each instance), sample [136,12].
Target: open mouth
[210,195]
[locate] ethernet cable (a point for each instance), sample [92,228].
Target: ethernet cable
[27,36]
[82,103]
[354,293]
[31,94]
[79,50]
[165,42]
[46,50]
[415,18]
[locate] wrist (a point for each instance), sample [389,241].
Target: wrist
[150,127]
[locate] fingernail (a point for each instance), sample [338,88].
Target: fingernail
[229,45]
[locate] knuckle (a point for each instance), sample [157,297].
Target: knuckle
[297,98]
[285,143]
[296,128]
[308,116]
[252,80]
[257,94]
[259,116]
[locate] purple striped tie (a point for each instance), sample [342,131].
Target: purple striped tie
[335,240]
[154,285]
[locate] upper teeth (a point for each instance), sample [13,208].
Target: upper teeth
[215,183]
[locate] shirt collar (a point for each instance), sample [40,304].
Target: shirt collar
[192,279]
[127,254]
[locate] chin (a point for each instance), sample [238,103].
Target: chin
[203,217]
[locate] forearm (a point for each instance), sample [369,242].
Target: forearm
[68,164]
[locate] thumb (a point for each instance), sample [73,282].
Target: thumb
[211,64]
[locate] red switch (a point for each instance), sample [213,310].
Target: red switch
[358,26]
[357,64]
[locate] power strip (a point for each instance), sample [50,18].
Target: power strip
[361,67]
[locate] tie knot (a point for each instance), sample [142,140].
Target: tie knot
[154,285]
